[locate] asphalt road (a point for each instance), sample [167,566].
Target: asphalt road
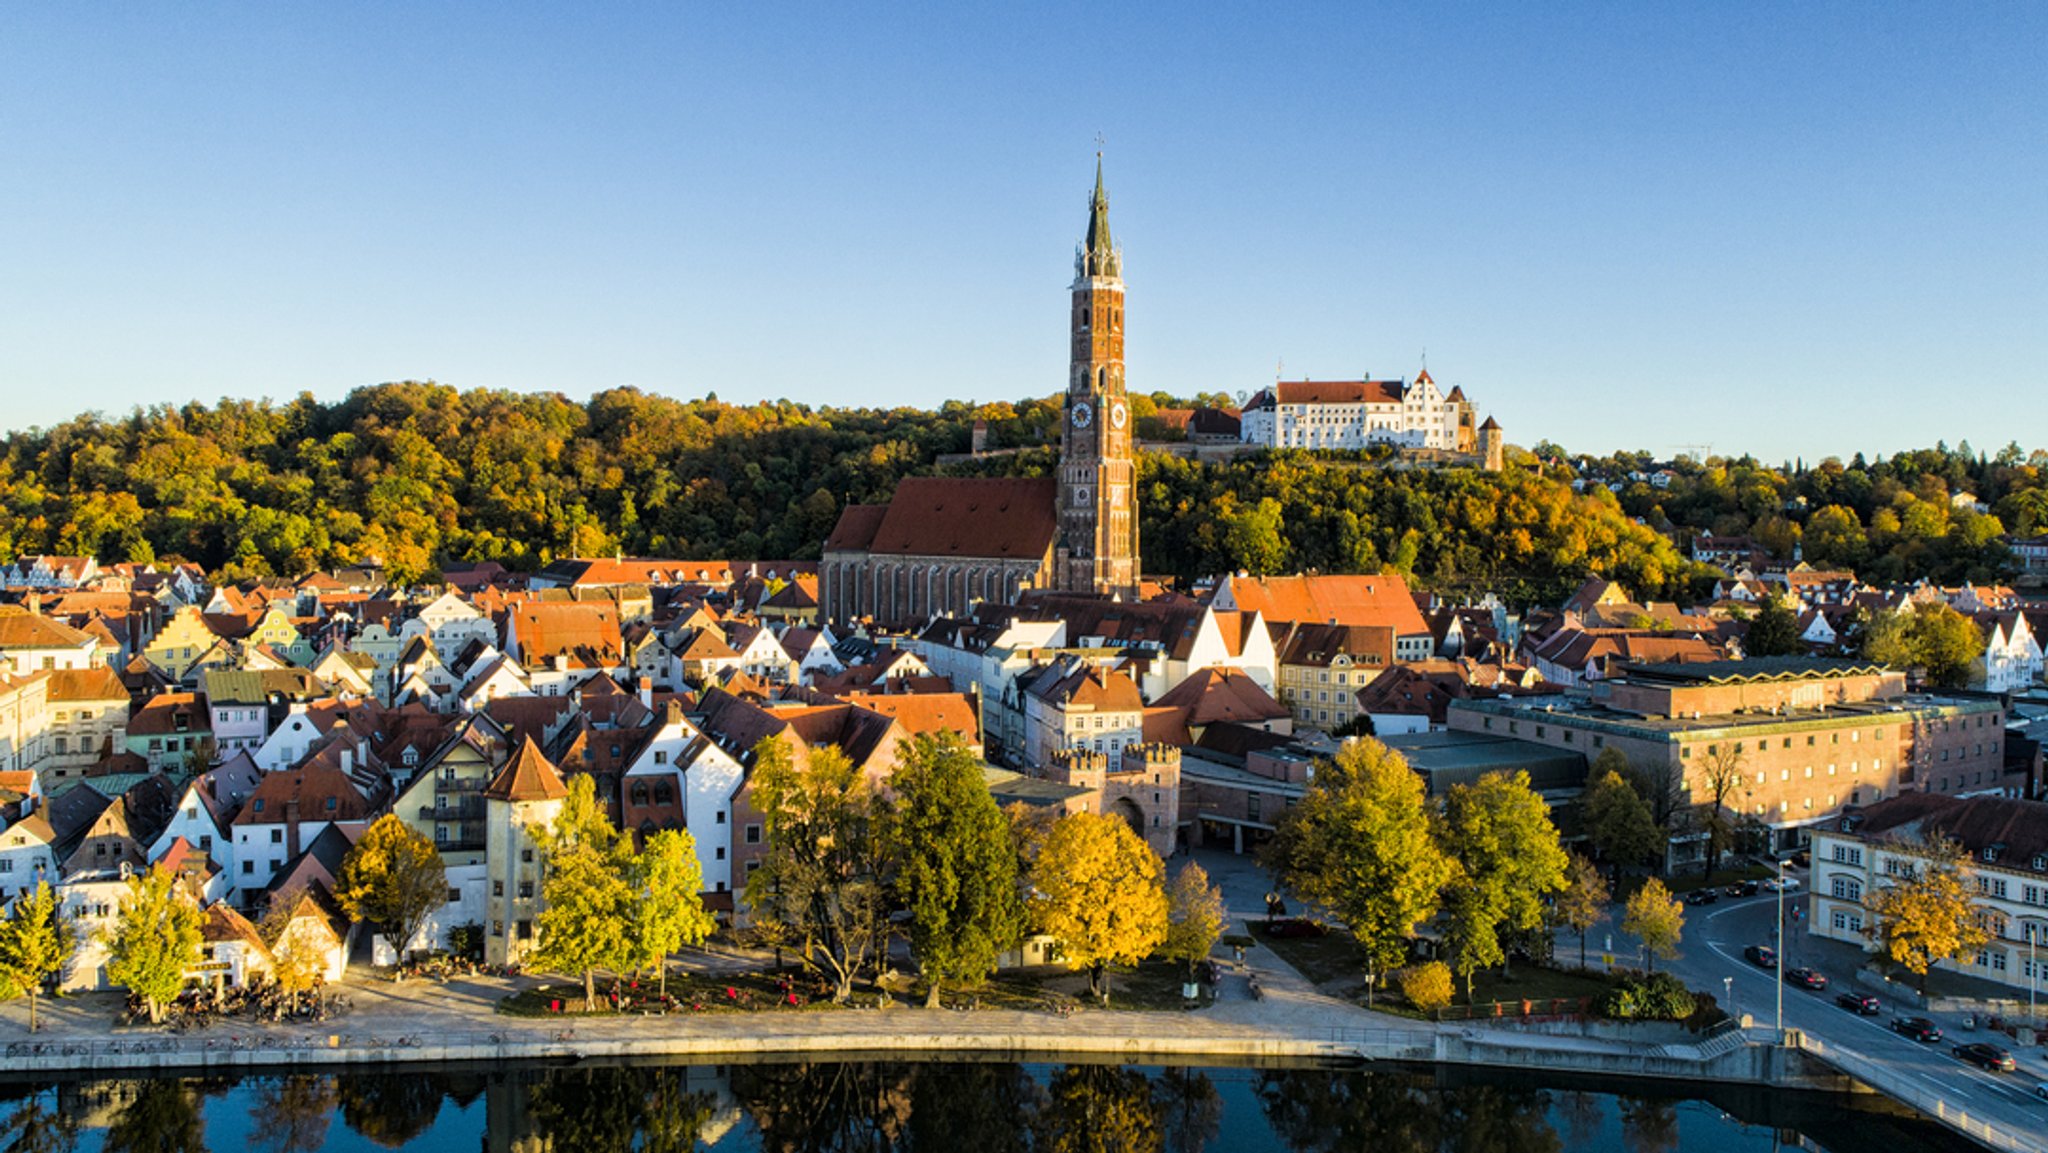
[1715,936]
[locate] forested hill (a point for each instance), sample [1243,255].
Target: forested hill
[421,474]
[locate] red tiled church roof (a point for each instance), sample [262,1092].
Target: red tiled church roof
[1006,517]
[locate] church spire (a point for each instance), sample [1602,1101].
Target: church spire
[1098,255]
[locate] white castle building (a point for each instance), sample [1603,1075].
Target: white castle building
[1355,414]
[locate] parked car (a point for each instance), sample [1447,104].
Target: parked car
[1763,956]
[1742,889]
[1702,897]
[1789,884]
[1806,978]
[1862,1004]
[1986,1056]
[1918,1028]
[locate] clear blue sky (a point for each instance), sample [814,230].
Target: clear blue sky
[1787,229]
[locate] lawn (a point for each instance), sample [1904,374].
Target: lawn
[1332,962]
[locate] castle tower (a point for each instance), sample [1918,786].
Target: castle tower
[1098,518]
[1492,445]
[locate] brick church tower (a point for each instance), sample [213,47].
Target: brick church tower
[1098,514]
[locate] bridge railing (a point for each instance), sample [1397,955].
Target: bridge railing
[1902,1089]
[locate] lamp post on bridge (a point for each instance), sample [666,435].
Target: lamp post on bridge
[1780,957]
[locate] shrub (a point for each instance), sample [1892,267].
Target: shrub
[1656,997]
[1427,986]
[467,941]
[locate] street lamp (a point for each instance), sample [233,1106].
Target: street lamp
[2033,971]
[1727,994]
[1780,958]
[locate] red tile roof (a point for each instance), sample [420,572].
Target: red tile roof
[856,529]
[1339,391]
[1008,517]
[528,776]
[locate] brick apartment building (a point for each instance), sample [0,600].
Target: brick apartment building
[1813,735]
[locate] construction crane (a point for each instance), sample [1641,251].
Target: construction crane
[1699,452]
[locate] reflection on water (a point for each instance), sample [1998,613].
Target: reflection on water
[907,1107]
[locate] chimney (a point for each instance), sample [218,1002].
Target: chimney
[647,693]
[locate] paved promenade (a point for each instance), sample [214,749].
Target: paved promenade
[428,1020]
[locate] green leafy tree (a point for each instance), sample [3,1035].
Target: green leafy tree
[1194,917]
[1618,822]
[1656,918]
[822,875]
[1100,894]
[394,878]
[955,868]
[1931,636]
[588,902]
[668,901]
[1360,845]
[1921,920]
[1773,631]
[34,940]
[154,941]
[1510,862]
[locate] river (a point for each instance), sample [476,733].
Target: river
[897,1105]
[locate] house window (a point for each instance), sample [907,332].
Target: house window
[248,868]
[277,836]
[526,890]
[455,896]
[721,816]
[753,834]
[497,888]
[661,756]
[721,852]
[526,856]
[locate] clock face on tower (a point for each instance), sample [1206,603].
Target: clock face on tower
[1117,414]
[1082,414]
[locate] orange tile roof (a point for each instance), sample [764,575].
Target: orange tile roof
[924,713]
[528,776]
[93,684]
[1345,600]
[585,632]
[21,629]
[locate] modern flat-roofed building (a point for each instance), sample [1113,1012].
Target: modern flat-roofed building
[1810,736]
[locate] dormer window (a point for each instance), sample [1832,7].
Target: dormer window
[257,804]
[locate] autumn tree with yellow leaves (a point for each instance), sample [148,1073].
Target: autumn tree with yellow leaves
[1101,894]
[1928,916]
